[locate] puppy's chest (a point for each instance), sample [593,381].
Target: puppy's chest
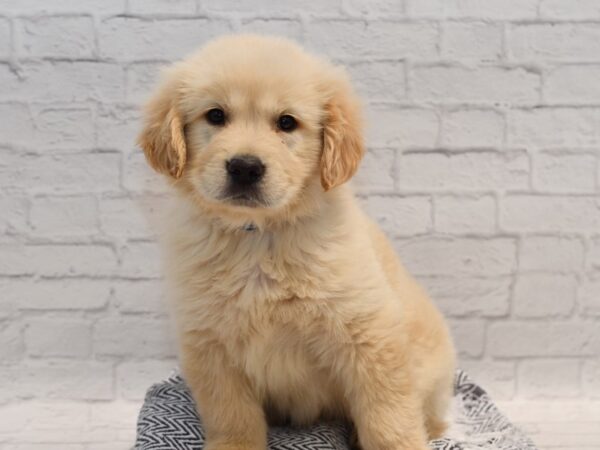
[248,280]
[243,286]
[257,296]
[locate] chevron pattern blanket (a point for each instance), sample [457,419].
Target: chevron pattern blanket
[168,421]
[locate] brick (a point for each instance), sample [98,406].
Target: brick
[591,378]
[407,127]
[465,214]
[479,85]
[140,296]
[538,213]
[472,40]
[171,7]
[45,81]
[551,253]
[549,378]
[491,9]
[133,378]
[589,297]
[470,171]
[63,6]
[498,377]
[132,336]
[7,305]
[532,339]
[400,216]
[56,379]
[138,217]
[58,337]
[75,173]
[544,295]
[593,256]
[375,8]
[474,9]
[53,260]
[11,341]
[59,294]
[290,29]
[425,8]
[555,42]
[5,38]
[554,126]
[468,337]
[118,127]
[166,39]
[140,260]
[459,256]
[72,260]
[56,36]
[14,214]
[465,296]
[62,128]
[267,8]
[16,126]
[467,128]
[350,39]
[559,172]
[64,216]
[571,10]
[379,80]
[375,172]
[573,84]
[142,78]
[14,260]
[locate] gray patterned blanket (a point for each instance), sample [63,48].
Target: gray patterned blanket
[168,421]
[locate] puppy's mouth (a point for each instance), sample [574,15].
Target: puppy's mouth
[250,198]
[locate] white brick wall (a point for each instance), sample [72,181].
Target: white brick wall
[484,127]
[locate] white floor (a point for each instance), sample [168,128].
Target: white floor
[111,426]
[564,425]
[68,426]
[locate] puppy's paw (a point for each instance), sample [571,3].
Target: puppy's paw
[436,429]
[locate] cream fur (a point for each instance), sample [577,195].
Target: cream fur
[311,315]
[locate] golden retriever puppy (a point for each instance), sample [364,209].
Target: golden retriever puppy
[290,304]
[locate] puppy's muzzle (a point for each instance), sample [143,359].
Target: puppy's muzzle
[245,170]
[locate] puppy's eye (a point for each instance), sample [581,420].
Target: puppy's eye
[216,116]
[287,123]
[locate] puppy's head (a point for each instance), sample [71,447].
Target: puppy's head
[251,126]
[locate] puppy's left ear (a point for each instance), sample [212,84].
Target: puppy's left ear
[162,137]
[343,145]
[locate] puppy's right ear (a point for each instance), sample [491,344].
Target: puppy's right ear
[162,137]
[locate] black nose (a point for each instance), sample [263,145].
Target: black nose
[245,170]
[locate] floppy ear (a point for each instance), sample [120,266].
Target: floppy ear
[162,137]
[343,145]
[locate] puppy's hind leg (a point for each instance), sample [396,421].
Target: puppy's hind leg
[436,408]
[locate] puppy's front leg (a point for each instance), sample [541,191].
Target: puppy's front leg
[374,368]
[231,414]
[392,423]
